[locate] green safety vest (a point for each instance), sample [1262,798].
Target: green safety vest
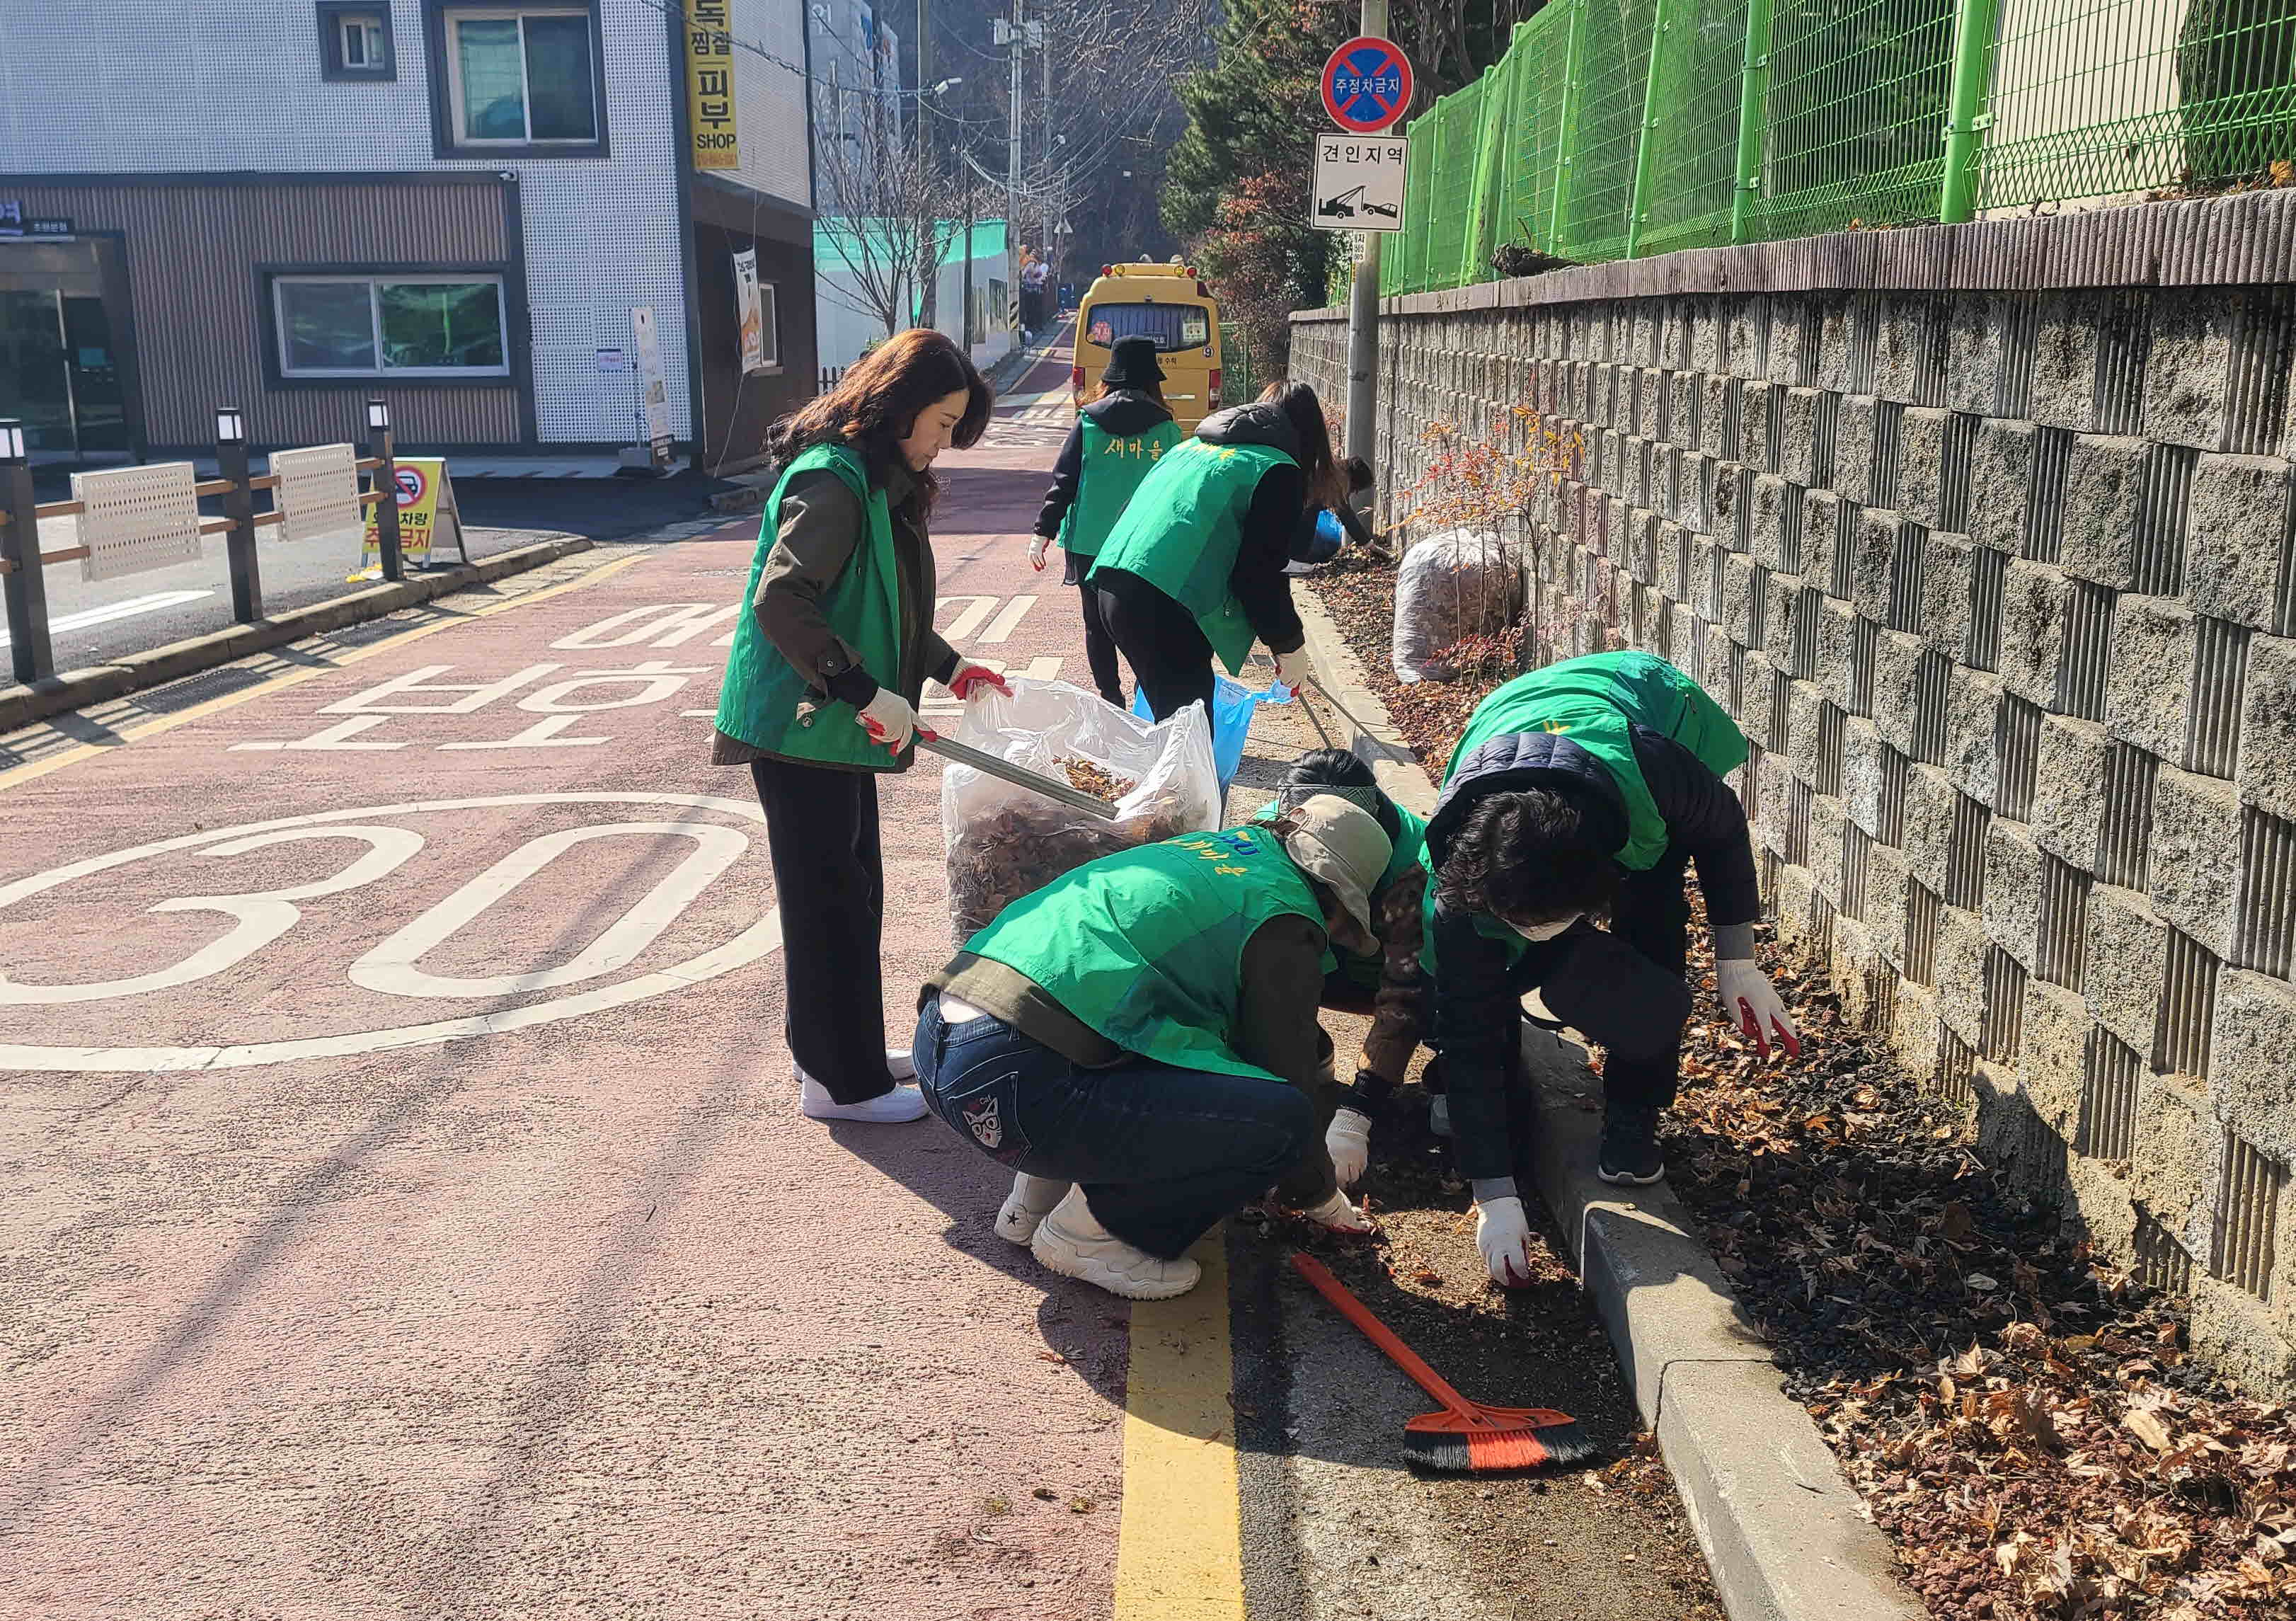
[1596,701]
[1146,946]
[764,701]
[1183,531]
[1410,839]
[1111,470]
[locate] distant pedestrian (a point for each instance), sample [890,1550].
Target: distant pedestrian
[821,686]
[1119,438]
[1194,570]
[1137,1040]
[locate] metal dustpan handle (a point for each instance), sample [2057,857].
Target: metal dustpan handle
[1020,776]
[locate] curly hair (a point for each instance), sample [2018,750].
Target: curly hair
[875,406]
[1526,857]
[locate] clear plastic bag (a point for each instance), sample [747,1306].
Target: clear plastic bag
[1450,586]
[1005,842]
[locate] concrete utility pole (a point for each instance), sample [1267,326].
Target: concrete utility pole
[1012,161]
[925,79]
[1363,311]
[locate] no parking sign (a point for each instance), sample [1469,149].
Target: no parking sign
[1367,84]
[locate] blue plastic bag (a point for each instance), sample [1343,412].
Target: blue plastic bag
[1233,705]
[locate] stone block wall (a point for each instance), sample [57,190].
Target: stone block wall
[1983,534]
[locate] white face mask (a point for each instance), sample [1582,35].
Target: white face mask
[1546,931]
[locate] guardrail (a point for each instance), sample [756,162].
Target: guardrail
[131,519]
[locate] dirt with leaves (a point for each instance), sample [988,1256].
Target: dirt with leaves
[2024,1420]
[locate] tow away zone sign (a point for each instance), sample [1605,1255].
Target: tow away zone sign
[1359,183]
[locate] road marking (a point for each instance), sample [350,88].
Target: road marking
[119,610]
[286,679]
[1179,1552]
[1008,620]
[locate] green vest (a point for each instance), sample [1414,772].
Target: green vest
[1146,946]
[764,701]
[1112,471]
[1596,701]
[1184,528]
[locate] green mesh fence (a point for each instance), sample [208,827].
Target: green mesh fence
[1767,119]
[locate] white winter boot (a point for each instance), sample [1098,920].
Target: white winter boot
[1071,1242]
[1031,1200]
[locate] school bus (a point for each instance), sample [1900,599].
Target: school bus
[1168,303]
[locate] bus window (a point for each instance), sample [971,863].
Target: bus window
[1174,326]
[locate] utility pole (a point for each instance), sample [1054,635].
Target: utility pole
[1362,312]
[1018,44]
[924,81]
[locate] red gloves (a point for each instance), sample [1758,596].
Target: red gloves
[971,676]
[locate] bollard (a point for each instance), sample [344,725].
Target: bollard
[386,481]
[239,510]
[24,585]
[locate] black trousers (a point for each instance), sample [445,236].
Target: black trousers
[829,879]
[1099,650]
[1626,988]
[1167,649]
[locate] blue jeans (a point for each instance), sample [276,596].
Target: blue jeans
[1161,1153]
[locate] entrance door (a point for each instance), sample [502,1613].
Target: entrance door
[35,382]
[99,398]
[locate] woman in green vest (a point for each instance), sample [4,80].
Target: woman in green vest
[821,691]
[1118,437]
[1584,790]
[1137,1042]
[1194,570]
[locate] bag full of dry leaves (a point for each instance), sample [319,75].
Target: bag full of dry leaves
[1005,842]
[1451,585]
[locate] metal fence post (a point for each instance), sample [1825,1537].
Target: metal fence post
[1646,144]
[386,480]
[1754,87]
[27,590]
[1966,119]
[1574,70]
[232,459]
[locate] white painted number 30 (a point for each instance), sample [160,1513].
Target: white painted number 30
[394,966]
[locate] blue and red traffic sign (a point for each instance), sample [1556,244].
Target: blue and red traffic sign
[1366,84]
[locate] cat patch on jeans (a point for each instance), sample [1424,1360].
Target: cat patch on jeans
[986,1109]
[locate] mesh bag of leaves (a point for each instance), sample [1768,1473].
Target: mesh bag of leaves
[1451,586]
[1005,842]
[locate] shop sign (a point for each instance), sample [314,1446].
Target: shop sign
[709,84]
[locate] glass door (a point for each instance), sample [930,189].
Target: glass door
[99,399]
[35,382]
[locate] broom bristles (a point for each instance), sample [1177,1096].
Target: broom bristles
[1494,1451]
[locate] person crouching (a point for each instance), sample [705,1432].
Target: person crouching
[1138,1042]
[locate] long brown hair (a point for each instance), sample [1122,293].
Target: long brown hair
[1326,485]
[876,406]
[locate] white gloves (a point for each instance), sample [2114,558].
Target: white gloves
[1752,1003]
[1502,1233]
[1295,670]
[1348,1140]
[888,720]
[1036,547]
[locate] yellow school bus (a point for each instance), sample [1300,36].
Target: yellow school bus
[1168,303]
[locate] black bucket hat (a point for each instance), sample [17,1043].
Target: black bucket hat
[1132,365]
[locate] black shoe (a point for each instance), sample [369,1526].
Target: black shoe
[1629,1153]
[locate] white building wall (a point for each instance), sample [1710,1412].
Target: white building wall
[843,325]
[124,85]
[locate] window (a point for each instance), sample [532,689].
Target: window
[1175,327]
[390,326]
[522,77]
[354,40]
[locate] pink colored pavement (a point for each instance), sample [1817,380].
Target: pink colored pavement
[308,1311]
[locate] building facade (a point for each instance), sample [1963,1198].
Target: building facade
[294,205]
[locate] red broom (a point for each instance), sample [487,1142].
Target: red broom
[1466,1437]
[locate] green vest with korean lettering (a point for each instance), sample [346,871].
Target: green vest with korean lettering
[1146,946]
[1113,468]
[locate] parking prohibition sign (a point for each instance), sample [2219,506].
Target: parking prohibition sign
[1366,84]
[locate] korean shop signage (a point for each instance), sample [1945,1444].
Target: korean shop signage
[15,223]
[709,84]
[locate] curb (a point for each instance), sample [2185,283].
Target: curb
[23,705]
[1783,1535]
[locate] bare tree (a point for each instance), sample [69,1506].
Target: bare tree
[888,214]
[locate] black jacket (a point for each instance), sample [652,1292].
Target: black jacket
[1477,1021]
[1119,415]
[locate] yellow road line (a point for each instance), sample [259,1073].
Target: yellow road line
[286,679]
[1179,1553]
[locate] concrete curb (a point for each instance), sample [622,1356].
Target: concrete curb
[1785,1535]
[23,705]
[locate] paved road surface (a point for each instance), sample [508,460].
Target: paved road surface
[409,1214]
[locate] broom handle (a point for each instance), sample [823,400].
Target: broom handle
[1356,1312]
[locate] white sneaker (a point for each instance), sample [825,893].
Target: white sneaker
[1338,1215]
[902,1063]
[1071,1241]
[1032,1198]
[902,1103]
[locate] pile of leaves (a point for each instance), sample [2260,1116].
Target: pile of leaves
[1090,777]
[2024,1420]
[1357,590]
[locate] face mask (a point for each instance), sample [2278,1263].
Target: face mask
[1544,931]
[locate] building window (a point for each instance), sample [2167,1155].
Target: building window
[521,77]
[390,327]
[355,41]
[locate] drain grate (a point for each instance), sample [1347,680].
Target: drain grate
[194,690]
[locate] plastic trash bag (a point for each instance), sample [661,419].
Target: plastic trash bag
[1450,586]
[1005,842]
[1233,706]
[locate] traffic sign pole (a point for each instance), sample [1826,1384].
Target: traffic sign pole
[1363,310]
